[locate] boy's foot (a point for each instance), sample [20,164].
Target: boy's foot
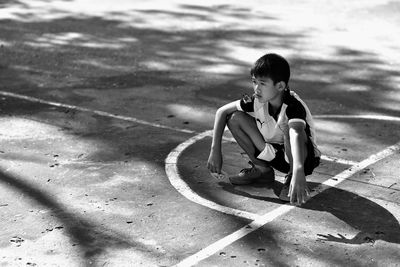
[251,175]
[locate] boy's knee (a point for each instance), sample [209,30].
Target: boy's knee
[234,119]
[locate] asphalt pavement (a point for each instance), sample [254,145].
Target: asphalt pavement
[106,111]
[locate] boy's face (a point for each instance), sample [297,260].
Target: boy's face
[264,88]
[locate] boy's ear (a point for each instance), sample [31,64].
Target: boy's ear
[281,85]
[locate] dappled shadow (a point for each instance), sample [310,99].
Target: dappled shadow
[137,62]
[119,141]
[92,239]
[7,3]
[355,82]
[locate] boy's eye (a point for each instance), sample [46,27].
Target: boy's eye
[262,83]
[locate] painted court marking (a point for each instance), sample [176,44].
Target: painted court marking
[184,189]
[172,158]
[257,220]
[97,112]
[366,117]
[171,168]
[131,119]
[272,215]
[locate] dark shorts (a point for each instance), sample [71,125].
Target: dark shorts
[279,163]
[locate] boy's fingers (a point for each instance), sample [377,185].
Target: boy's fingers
[293,198]
[304,197]
[290,191]
[209,166]
[299,198]
[218,169]
[212,169]
[290,194]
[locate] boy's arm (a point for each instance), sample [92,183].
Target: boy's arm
[214,163]
[298,187]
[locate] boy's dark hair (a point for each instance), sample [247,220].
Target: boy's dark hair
[272,66]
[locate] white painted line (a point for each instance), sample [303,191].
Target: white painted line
[183,188]
[97,112]
[171,168]
[126,118]
[360,116]
[229,239]
[338,160]
[270,216]
[337,179]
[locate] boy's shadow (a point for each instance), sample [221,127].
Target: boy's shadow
[236,190]
[371,220]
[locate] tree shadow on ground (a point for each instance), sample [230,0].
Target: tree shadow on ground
[135,63]
[371,220]
[140,62]
[92,240]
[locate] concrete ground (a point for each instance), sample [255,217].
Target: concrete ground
[104,133]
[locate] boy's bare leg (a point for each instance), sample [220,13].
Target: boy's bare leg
[244,129]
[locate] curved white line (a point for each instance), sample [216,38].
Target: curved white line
[259,221]
[171,168]
[172,158]
[272,215]
[182,187]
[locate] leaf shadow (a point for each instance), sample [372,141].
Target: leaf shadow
[93,240]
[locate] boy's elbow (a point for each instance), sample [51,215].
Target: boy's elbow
[220,110]
[220,113]
[227,109]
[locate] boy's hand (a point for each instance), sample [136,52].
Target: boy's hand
[298,190]
[214,163]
